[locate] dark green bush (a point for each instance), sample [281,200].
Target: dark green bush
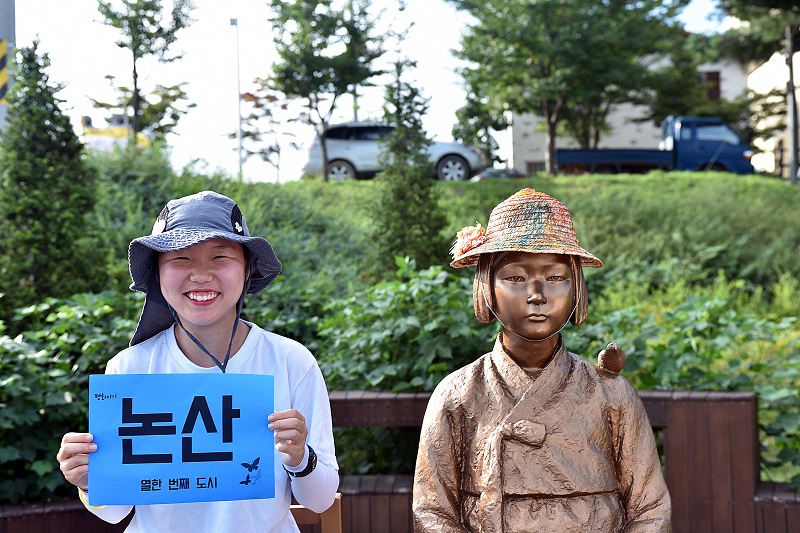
[407,218]
[47,195]
[705,222]
[44,387]
[404,333]
[318,231]
[409,332]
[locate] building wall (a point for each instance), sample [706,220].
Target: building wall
[773,155]
[733,77]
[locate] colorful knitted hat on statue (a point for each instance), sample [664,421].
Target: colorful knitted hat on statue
[528,221]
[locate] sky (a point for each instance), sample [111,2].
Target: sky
[217,59]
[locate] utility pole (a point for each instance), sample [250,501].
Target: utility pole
[235,22]
[8,41]
[791,37]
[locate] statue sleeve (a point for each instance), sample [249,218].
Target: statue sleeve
[641,481]
[437,478]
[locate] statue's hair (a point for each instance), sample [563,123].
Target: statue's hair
[483,289]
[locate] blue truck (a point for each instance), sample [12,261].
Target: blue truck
[687,143]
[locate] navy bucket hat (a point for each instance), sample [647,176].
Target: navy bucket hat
[183,223]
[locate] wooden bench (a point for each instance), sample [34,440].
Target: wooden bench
[710,445]
[72,517]
[329,521]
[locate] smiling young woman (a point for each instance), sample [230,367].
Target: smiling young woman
[195,268]
[203,285]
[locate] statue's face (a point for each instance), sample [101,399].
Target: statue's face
[533,293]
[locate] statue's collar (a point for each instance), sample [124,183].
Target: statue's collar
[517,380]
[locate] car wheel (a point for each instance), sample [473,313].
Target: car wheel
[452,168]
[341,170]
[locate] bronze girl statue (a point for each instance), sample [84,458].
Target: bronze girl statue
[530,437]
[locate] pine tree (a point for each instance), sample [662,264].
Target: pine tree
[46,195]
[408,219]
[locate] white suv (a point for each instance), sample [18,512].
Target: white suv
[353,152]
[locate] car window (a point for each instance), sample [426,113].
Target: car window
[370,133]
[717,133]
[337,133]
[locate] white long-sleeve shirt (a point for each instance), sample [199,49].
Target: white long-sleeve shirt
[298,385]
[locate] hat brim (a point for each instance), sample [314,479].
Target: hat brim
[471,258]
[265,263]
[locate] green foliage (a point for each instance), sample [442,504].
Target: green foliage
[264,127]
[43,389]
[144,33]
[699,287]
[404,333]
[709,338]
[703,223]
[407,218]
[475,122]
[134,186]
[376,450]
[765,27]
[676,87]
[47,195]
[319,233]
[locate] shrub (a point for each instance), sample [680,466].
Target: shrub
[134,185]
[666,295]
[318,232]
[47,195]
[709,338]
[407,218]
[404,333]
[44,389]
[703,222]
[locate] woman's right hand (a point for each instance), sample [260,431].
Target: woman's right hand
[73,458]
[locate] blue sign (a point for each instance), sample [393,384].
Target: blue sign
[174,438]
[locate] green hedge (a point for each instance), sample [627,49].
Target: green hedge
[699,288]
[45,380]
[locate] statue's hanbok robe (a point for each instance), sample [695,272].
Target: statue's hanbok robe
[567,448]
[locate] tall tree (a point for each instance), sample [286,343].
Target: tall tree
[145,32]
[265,129]
[476,123]
[549,55]
[675,88]
[159,111]
[764,31]
[407,219]
[324,52]
[47,195]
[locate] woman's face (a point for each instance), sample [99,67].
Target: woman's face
[533,293]
[204,283]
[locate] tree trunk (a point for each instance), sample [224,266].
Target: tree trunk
[135,104]
[551,113]
[323,146]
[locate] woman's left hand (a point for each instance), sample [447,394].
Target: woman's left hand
[290,435]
